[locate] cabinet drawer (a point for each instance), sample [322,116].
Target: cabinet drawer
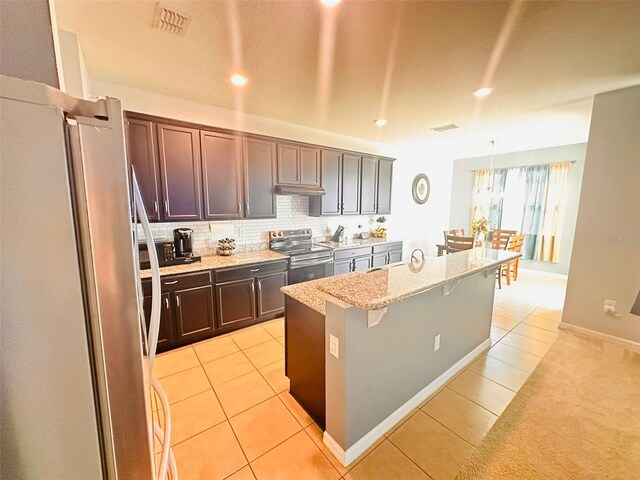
[387,247]
[175,282]
[238,273]
[352,253]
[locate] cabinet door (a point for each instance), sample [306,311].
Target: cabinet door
[330,174]
[350,184]
[142,152]
[194,312]
[288,164]
[343,266]
[369,185]
[385,176]
[362,263]
[395,256]
[236,301]
[259,167]
[379,260]
[270,298]
[221,175]
[179,151]
[310,166]
[165,333]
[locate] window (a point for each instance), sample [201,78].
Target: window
[530,200]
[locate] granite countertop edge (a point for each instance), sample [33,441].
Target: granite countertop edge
[215,262]
[386,301]
[356,243]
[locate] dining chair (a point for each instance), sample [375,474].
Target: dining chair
[442,248]
[456,243]
[514,244]
[500,238]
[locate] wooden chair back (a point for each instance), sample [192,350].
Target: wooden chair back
[500,238]
[456,243]
[459,232]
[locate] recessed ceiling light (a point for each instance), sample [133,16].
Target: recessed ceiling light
[381,122]
[330,3]
[482,92]
[238,79]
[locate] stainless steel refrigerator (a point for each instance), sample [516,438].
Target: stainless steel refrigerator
[76,359]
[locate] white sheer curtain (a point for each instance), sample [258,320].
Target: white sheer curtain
[514,197]
[554,210]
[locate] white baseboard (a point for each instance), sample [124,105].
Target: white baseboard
[542,273]
[604,336]
[358,448]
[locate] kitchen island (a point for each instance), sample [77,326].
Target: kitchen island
[364,349]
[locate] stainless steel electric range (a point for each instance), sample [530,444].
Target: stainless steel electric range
[306,260]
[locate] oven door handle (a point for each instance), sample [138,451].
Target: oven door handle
[310,263]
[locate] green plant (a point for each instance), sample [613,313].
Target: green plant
[479,225]
[381,219]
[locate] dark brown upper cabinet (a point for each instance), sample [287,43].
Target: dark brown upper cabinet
[142,152]
[351,184]
[369,185]
[331,180]
[385,178]
[179,152]
[310,166]
[298,165]
[260,173]
[221,175]
[288,164]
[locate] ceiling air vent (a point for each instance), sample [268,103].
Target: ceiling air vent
[444,128]
[171,21]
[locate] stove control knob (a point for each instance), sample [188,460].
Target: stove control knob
[280,234]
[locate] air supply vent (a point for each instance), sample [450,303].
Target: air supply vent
[171,21]
[444,128]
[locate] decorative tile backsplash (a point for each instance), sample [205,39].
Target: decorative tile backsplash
[293,212]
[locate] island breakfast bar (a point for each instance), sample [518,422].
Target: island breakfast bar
[365,348]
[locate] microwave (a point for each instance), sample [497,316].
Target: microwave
[164,249]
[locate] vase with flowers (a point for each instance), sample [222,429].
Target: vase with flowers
[479,229]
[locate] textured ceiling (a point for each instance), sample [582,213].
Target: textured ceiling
[415,63]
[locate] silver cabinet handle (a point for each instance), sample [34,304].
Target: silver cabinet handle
[166,302]
[171,283]
[166,207]
[240,207]
[178,301]
[252,288]
[254,270]
[155,206]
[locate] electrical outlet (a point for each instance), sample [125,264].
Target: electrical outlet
[436,343]
[334,346]
[609,306]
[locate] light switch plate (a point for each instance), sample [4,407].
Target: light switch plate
[334,346]
[436,343]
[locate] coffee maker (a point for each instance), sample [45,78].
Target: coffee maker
[182,242]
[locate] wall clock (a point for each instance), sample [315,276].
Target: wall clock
[421,189]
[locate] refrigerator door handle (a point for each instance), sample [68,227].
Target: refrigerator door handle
[154,322]
[167,460]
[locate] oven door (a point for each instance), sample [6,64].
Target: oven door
[306,270]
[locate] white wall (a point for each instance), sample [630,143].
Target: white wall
[606,253]
[462,185]
[76,78]
[26,41]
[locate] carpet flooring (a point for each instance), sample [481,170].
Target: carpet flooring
[576,417]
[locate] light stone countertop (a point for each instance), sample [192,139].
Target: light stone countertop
[308,294]
[378,288]
[354,242]
[212,262]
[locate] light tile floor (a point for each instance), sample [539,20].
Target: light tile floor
[233,417]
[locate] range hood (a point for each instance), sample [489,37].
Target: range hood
[299,190]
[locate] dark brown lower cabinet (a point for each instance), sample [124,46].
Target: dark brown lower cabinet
[195,307]
[343,266]
[270,298]
[236,301]
[165,334]
[379,260]
[361,263]
[194,313]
